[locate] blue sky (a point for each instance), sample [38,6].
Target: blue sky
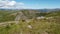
[31,4]
[39,4]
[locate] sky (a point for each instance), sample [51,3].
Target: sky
[29,4]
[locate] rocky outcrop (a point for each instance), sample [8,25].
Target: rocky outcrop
[20,16]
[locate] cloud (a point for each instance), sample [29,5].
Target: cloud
[11,4]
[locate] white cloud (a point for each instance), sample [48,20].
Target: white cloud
[11,4]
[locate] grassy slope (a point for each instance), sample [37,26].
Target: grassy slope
[38,27]
[50,26]
[6,15]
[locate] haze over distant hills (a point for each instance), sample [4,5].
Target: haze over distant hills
[41,10]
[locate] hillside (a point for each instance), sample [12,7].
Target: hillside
[29,22]
[7,15]
[12,15]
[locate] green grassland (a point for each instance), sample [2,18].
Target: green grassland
[38,26]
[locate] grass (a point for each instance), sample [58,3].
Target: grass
[38,27]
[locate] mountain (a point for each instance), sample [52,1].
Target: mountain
[48,10]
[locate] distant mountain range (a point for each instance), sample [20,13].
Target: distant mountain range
[48,10]
[41,10]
